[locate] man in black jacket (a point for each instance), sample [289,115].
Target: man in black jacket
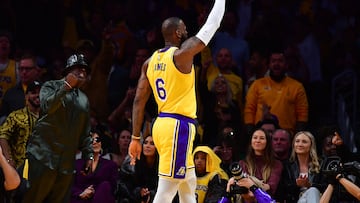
[63,127]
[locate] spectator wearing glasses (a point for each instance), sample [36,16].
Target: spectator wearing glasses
[14,97]
[100,185]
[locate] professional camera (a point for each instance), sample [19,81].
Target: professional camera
[334,166]
[238,173]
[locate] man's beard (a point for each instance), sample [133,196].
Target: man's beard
[277,78]
[33,104]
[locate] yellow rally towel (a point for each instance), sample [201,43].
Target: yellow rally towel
[26,169]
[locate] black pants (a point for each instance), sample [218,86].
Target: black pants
[47,185]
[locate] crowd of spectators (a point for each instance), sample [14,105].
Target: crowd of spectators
[307,42]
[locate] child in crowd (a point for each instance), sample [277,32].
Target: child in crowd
[211,179]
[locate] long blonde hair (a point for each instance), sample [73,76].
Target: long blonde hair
[314,165]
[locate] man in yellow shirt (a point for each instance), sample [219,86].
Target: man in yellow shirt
[278,95]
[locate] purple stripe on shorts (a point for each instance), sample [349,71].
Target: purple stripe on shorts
[182,148]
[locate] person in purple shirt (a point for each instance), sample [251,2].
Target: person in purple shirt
[100,185]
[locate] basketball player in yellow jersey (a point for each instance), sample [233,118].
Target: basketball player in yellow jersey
[169,74]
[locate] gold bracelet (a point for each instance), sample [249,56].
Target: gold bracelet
[135,137]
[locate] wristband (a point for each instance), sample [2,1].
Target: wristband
[134,137]
[67,84]
[338,177]
[253,188]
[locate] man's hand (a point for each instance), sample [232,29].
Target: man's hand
[134,151]
[145,192]
[336,140]
[72,80]
[266,114]
[2,157]
[218,151]
[75,79]
[5,150]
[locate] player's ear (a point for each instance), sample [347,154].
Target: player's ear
[178,33]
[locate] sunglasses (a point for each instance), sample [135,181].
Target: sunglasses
[23,68]
[97,139]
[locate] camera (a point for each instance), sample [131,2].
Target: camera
[238,173]
[333,166]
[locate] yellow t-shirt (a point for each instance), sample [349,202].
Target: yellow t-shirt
[287,100]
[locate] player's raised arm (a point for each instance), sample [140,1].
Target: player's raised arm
[190,47]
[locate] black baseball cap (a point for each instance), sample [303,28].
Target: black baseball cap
[33,86]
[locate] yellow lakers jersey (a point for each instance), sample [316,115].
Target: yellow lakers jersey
[202,186]
[7,78]
[174,91]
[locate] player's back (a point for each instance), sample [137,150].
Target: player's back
[174,91]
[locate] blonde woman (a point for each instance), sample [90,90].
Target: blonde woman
[302,177]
